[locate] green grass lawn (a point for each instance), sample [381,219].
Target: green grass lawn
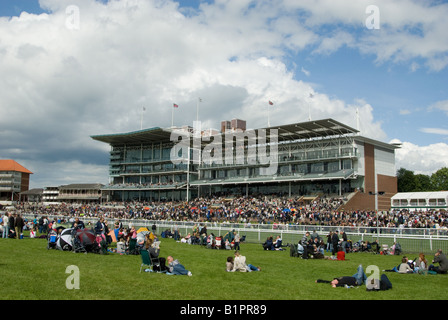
[31,272]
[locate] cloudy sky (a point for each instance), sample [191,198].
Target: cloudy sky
[71,69]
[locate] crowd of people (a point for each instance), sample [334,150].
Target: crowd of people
[250,210]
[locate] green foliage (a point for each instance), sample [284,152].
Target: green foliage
[439,180]
[31,272]
[407,181]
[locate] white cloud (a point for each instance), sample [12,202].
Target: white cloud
[440,105]
[404,112]
[435,131]
[53,174]
[305,72]
[422,159]
[331,44]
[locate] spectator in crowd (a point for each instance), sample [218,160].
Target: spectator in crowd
[344,241]
[12,225]
[307,245]
[335,242]
[5,233]
[99,227]
[239,264]
[404,266]
[18,225]
[421,264]
[442,260]
[357,279]
[237,240]
[269,244]
[229,264]
[176,268]
[78,224]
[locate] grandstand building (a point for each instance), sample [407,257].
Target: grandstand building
[322,157]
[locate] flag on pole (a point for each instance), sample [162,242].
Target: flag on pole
[175,105]
[271,103]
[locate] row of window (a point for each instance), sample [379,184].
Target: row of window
[306,168]
[164,154]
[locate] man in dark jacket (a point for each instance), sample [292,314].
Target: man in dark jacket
[12,225]
[335,242]
[18,225]
[99,227]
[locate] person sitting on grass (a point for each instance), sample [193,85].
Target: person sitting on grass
[229,264]
[404,266]
[421,264]
[269,244]
[239,264]
[442,260]
[357,279]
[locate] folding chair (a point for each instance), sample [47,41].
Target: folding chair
[133,249]
[146,261]
[293,251]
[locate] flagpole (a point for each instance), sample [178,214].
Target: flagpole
[269,122]
[270,103]
[141,119]
[197,109]
[309,108]
[172,117]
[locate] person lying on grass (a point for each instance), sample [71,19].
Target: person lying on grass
[175,268]
[350,281]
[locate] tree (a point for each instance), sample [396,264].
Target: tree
[423,183]
[406,181]
[439,179]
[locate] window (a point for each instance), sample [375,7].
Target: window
[317,167]
[346,164]
[333,166]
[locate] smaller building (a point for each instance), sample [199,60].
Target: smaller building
[420,200]
[80,193]
[50,195]
[33,195]
[14,179]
